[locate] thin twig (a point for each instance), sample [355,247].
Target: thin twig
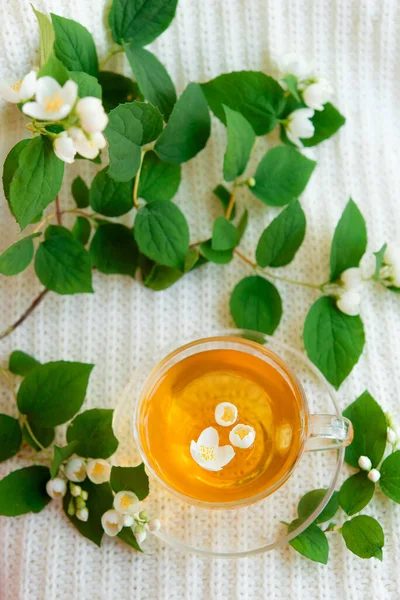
[58,211]
[231,204]
[25,315]
[137,179]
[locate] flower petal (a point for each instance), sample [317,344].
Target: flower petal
[46,86]
[208,437]
[7,92]
[69,92]
[28,86]
[224,455]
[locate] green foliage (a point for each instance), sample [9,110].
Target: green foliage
[87,84]
[44,435]
[80,192]
[158,180]
[117,89]
[93,432]
[81,230]
[356,492]
[225,235]
[74,46]
[364,537]
[220,257]
[309,502]
[10,437]
[161,278]
[151,120]
[241,138]
[311,543]
[47,36]
[124,133]
[133,479]
[349,240]
[140,21]
[54,68]
[21,363]
[224,197]
[113,250]
[256,305]
[52,393]
[379,261]
[333,341]
[326,123]
[17,257]
[61,453]
[24,491]
[390,477]
[110,197]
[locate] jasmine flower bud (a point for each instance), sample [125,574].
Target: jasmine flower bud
[82,514]
[374,475]
[317,94]
[349,303]
[80,503]
[128,520]
[84,495]
[155,525]
[75,490]
[364,463]
[143,516]
[391,436]
[140,533]
[71,507]
[75,469]
[251,182]
[56,488]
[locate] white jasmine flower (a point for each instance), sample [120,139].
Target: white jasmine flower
[207,452]
[352,279]
[392,258]
[82,514]
[56,488]
[92,114]
[112,522]
[126,503]
[298,125]
[98,470]
[374,475]
[87,146]
[128,520]
[140,534]
[242,436]
[64,147]
[391,436]
[53,101]
[291,64]
[317,94]
[349,303]
[226,414]
[364,463]
[75,490]
[75,469]
[155,525]
[19,91]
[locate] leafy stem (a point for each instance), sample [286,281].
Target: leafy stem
[231,204]
[137,180]
[112,53]
[25,315]
[25,422]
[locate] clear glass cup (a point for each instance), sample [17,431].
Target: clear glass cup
[323,429]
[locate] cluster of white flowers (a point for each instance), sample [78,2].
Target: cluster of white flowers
[127,513]
[208,453]
[45,100]
[315,93]
[390,272]
[349,297]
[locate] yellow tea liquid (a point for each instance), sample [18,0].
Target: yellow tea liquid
[182,404]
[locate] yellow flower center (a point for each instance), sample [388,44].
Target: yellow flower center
[80,472]
[98,469]
[112,525]
[53,103]
[207,453]
[17,85]
[242,432]
[228,415]
[126,502]
[57,493]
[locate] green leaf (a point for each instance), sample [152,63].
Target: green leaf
[282,238]
[162,233]
[117,89]
[109,197]
[126,535]
[24,491]
[63,266]
[379,261]
[52,394]
[81,230]
[370,429]
[151,120]
[291,82]
[36,181]
[80,192]
[311,500]
[74,46]
[225,235]
[61,453]
[93,432]
[44,435]
[241,138]
[124,133]
[334,341]
[390,476]
[220,257]
[56,231]
[161,278]
[10,167]
[311,543]
[87,84]
[113,250]
[100,499]
[132,479]
[21,363]
[152,78]
[140,21]
[158,180]
[10,437]
[242,225]
[224,197]
[188,128]
[364,537]
[356,492]
[326,123]
[256,304]
[256,96]
[17,257]
[47,37]
[282,176]
[54,68]
[349,240]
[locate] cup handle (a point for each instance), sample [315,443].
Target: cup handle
[328,431]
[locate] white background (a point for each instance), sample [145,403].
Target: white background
[356,44]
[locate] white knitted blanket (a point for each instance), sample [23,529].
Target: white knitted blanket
[356,45]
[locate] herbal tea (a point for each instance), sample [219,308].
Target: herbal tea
[222,425]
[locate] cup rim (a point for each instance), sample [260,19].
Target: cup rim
[235,336]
